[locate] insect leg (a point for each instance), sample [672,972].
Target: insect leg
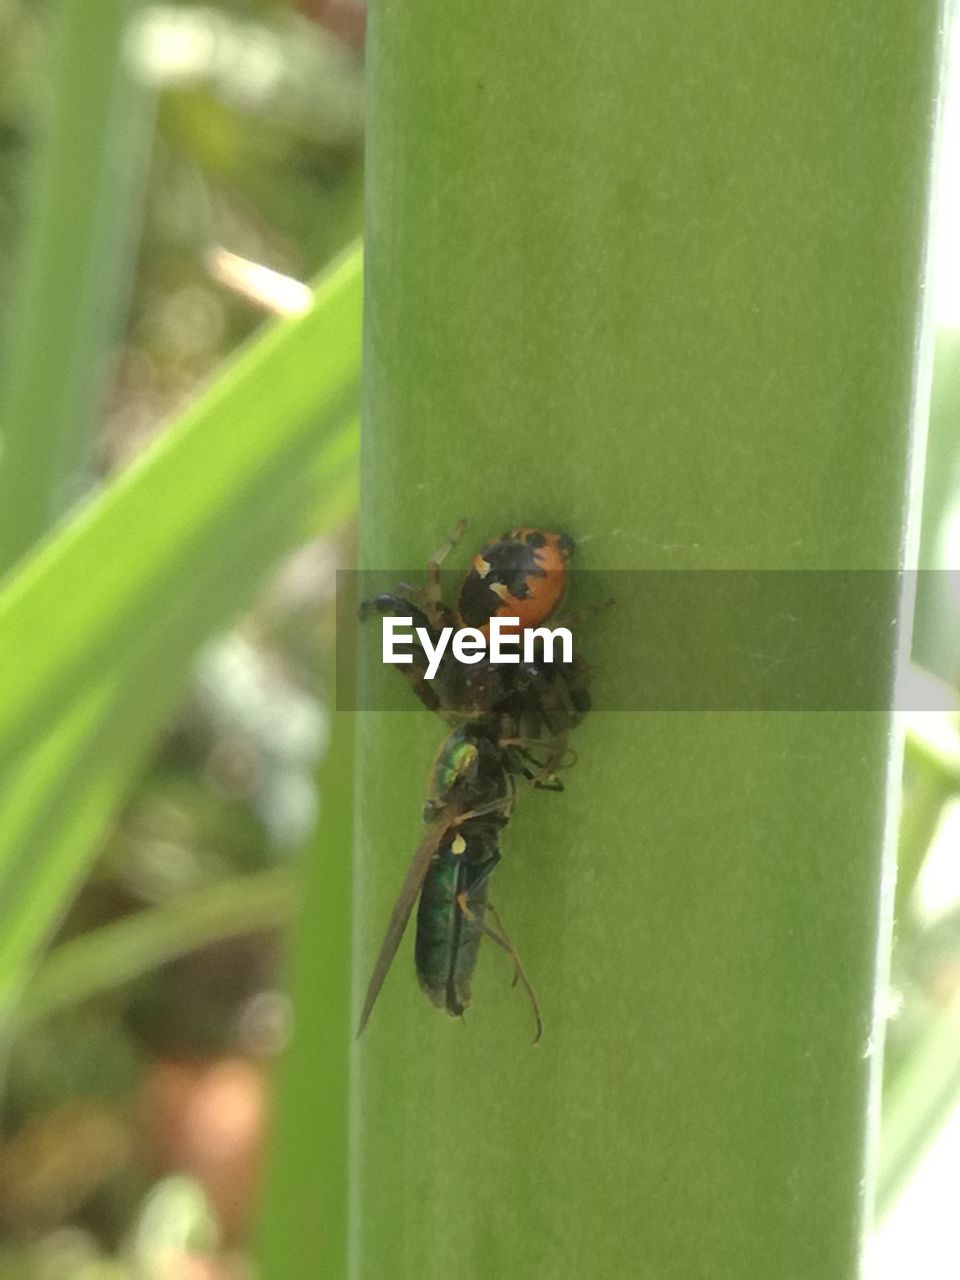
[391,604]
[506,945]
[541,774]
[433,593]
[502,804]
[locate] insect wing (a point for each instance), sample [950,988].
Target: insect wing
[409,892]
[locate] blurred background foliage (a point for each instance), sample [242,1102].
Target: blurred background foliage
[133,1119]
[134,1112]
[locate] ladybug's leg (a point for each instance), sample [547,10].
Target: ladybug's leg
[441,553]
[433,592]
[504,943]
[414,602]
[426,603]
[395,604]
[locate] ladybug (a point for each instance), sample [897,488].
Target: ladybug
[523,575]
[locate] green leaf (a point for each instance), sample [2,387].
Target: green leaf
[83,213]
[106,616]
[118,953]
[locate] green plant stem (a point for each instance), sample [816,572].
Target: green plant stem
[109,957]
[647,274]
[82,213]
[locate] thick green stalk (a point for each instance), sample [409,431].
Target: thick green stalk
[82,216]
[648,274]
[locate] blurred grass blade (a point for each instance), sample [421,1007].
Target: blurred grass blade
[304,1216]
[932,762]
[88,593]
[920,1090]
[105,617]
[118,953]
[83,213]
[920,1100]
[65,789]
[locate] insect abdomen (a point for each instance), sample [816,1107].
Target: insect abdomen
[448,939]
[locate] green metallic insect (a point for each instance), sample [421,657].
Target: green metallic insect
[473,787]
